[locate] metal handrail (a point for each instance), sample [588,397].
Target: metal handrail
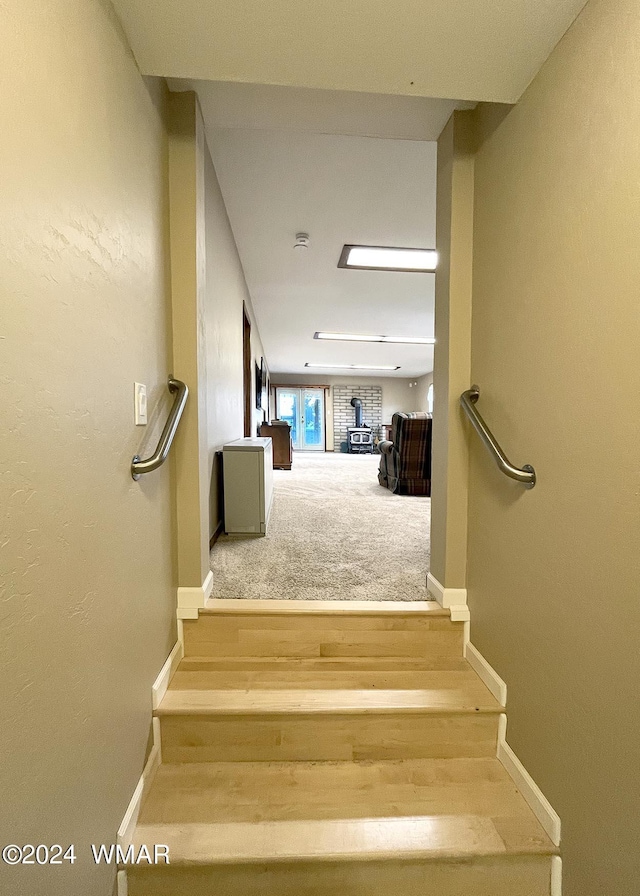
[138,466]
[525,474]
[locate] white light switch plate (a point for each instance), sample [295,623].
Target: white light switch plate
[140,404]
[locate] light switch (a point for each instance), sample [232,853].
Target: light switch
[140,404]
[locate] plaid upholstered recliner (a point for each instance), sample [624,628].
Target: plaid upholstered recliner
[405,462]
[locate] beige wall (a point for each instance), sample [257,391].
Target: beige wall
[554,577]
[451,371]
[86,576]
[422,388]
[208,292]
[226,290]
[397,395]
[187,157]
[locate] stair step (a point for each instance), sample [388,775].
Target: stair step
[329,634]
[312,829]
[218,792]
[505,875]
[470,696]
[320,748]
[343,608]
[200,677]
[323,664]
[281,725]
[426,838]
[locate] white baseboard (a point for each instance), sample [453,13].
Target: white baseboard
[556,876]
[128,824]
[531,793]
[446,597]
[158,690]
[195,597]
[160,685]
[124,837]
[187,613]
[123,885]
[459,613]
[486,672]
[535,798]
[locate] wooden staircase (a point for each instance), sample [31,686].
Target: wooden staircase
[316,748]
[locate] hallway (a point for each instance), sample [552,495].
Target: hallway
[161,164]
[334,534]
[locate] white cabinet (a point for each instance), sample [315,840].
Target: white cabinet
[248,486]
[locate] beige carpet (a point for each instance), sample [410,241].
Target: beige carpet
[334,534]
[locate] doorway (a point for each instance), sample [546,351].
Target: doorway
[303,410]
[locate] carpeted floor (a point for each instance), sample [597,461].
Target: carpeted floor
[334,534]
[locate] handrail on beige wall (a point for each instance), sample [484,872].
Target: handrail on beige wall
[138,466]
[525,474]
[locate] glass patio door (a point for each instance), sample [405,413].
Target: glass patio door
[303,409]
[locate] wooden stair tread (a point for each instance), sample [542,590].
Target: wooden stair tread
[317,747]
[428,838]
[322,663]
[201,678]
[217,792]
[472,697]
[323,607]
[224,812]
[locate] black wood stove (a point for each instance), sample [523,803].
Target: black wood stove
[360,436]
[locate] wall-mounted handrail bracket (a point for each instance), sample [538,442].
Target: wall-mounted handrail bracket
[138,466]
[525,474]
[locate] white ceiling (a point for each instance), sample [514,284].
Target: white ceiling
[340,189]
[304,157]
[296,159]
[228,105]
[467,49]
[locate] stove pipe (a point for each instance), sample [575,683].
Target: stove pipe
[357,404]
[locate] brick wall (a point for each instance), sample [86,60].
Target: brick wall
[344,415]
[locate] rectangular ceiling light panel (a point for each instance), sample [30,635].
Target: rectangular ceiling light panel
[353,366]
[358,337]
[381,258]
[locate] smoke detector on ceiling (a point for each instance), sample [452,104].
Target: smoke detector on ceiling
[302,241]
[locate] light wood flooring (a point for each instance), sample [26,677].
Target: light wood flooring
[347,750]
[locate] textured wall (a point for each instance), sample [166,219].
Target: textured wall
[554,573]
[85,553]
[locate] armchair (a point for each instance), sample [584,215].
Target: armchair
[405,461]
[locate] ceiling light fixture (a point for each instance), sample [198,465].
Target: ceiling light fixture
[302,241]
[381,258]
[353,366]
[359,337]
